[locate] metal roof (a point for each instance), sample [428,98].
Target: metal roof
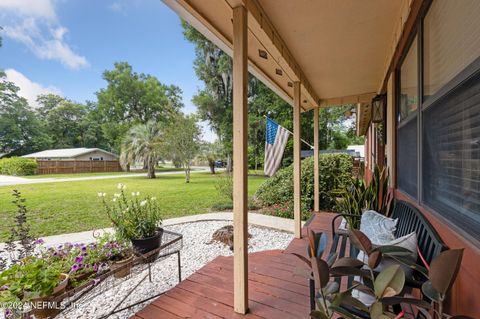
[66,153]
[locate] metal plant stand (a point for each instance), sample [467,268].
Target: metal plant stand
[142,268]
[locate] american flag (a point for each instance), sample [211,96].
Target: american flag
[275,141]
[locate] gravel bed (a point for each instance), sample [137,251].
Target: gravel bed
[197,251]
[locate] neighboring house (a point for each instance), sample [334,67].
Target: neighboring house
[79,154]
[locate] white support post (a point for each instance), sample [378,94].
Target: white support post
[240,131]
[316,158]
[297,160]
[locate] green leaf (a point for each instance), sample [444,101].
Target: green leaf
[408,261]
[430,292]
[376,310]
[444,269]
[349,300]
[389,282]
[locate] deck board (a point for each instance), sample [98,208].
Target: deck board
[274,290]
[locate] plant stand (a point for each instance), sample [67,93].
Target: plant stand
[172,244]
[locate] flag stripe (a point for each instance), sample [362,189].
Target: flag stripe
[276,140]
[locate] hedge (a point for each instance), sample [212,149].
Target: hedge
[18,166]
[277,191]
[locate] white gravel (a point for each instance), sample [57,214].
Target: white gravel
[196,253]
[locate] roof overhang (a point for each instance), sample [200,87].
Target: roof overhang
[340,51]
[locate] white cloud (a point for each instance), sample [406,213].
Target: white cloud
[29,89]
[34,23]
[43,9]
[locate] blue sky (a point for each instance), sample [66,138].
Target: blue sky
[63,46]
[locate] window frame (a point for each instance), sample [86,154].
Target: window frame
[463,76]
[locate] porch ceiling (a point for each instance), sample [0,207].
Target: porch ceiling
[339,50]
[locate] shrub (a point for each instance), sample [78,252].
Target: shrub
[224,186]
[335,173]
[18,166]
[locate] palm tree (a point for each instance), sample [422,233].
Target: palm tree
[143,143]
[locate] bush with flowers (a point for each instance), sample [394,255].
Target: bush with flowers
[133,217]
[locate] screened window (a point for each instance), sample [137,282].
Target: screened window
[407,126]
[451,41]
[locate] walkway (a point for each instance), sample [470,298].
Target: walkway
[256,219]
[275,292]
[15,180]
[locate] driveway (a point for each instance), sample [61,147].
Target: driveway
[6,180]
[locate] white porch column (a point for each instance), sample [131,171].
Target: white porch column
[240,129]
[316,158]
[296,160]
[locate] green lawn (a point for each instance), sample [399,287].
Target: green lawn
[158,169]
[56,208]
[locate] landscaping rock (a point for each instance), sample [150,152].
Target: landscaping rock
[198,250]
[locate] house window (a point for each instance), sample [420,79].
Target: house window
[451,41]
[451,156]
[407,123]
[451,113]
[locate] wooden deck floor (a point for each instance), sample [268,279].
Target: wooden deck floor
[274,291]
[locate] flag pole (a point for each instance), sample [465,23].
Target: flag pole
[311,146]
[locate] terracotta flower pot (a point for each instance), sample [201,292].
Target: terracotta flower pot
[46,307]
[122,268]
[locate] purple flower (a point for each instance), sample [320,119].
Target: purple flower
[39,241]
[74,268]
[95,267]
[79,259]
[84,248]
[8,313]
[4,287]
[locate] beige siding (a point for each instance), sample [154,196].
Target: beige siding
[96,154]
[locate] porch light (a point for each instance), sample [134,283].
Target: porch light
[378,108]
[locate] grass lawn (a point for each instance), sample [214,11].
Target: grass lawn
[56,208]
[158,169]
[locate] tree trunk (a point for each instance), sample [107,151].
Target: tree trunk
[211,164]
[229,164]
[127,167]
[151,168]
[187,173]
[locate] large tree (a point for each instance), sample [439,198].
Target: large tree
[66,124]
[144,143]
[20,130]
[182,138]
[131,98]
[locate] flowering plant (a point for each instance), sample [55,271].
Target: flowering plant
[31,278]
[132,217]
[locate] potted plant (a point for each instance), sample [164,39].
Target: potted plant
[34,280]
[119,254]
[136,219]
